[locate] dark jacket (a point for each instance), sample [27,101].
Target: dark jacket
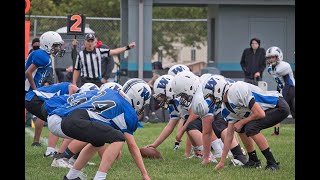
[107,65]
[253,62]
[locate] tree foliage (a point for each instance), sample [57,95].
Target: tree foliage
[164,34]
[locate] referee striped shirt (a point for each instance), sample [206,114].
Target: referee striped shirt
[89,63]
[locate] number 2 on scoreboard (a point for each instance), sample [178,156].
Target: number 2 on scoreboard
[76,26]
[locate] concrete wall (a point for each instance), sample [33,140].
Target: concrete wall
[236,25]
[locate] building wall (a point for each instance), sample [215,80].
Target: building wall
[236,25]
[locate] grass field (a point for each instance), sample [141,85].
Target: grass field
[173,166]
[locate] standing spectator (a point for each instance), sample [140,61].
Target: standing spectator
[35,45]
[253,62]
[282,73]
[37,68]
[88,61]
[107,63]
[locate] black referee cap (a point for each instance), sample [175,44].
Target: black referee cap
[89,37]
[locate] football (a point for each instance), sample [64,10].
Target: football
[150,152]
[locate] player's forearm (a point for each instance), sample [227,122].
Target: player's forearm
[118,50]
[31,81]
[164,134]
[75,77]
[206,138]
[135,152]
[227,142]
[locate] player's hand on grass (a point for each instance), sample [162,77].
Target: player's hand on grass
[205,162]
[219,166]
[146,177]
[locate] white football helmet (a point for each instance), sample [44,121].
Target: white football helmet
[215,88]
[184,85]
[163,90]
[274,52]
[174,70]
[111,85]
[205,76]
[87,87]
[51,42]
[208,86]
[137,93]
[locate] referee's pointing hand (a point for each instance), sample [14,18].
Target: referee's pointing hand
[132,45]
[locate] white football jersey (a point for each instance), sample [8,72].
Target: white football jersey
[180,112]
[282,74]
[239,95]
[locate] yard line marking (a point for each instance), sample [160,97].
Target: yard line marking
[43,140]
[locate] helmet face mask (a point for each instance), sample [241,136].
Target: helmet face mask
[163,100]
[57,50]
[163,92]
[185,85]
[185,99]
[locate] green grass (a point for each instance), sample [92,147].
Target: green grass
[173,166]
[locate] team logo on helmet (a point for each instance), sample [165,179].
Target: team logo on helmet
[162,83]
[210,84]
[178,69]
[145,94]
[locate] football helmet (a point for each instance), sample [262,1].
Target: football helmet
[87,87]
[111,85]
[215,88]
[184,85]
[205,76]
[274,52]
[174,70]
[138,93]
[163,90]
[51,42]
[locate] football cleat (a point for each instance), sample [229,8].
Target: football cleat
[272,166]
[50,154]
[62,162]
[252,164]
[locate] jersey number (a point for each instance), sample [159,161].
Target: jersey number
[100,106]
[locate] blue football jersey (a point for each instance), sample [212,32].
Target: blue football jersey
[42,61]
[68,100]
[107,107]
[46,92]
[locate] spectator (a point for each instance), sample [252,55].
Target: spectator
[253,62]
[35,44]
[88,61]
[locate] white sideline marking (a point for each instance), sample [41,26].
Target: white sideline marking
[42,139]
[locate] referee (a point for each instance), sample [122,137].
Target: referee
[88,62]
